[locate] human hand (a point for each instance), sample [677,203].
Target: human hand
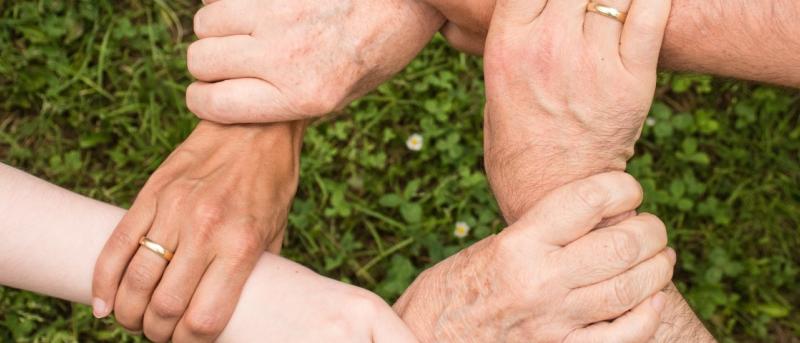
[550,276]
[218,201]
[567,92]
[286,302]
[272,61]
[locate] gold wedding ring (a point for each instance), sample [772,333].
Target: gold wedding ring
[156,248]
[607,11]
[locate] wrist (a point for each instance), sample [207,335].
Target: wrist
[525,161]
[679,323]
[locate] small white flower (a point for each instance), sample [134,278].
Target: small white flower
[414,142]
[651,122]
[461,230]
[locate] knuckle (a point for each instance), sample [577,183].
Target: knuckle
[656,227]
[667,267]
[166,305]
[627,185]
[625,247]
[126,319]
[208,215]
[247,247]
[121,240]
[592,194]
[624,294]
[203,323]
[325,101]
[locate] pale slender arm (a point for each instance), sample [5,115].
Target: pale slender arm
[50,238]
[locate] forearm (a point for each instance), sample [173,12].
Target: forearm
[752,40]
[745,39]
[52,237]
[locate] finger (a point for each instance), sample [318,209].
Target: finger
[222,58]
[611,298]
[569,212]
[239,101]
[174,292]
[638,325]
[117,253]
[643,34]
[605,253]
[215,299]
[143,274]
[603,33]
[225,18]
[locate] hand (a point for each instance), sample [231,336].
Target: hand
[271,61]
[286,302]
[549,277]
[567,92]
[218,201]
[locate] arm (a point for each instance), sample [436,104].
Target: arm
[572,105]
[218,202]
[750,40]
[54,253]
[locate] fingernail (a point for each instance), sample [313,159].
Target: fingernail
[658,301]
[99,308]
[671,253]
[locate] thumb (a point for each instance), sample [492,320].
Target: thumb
[571,211]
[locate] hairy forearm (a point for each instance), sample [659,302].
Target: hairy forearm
[679,322]
[752,40]
[745,39]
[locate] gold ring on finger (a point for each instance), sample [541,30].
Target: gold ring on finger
[607,11]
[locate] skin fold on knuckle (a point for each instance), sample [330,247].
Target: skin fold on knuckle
[625,247]
[592,194]
[207,218]
[168,306]
[624,294]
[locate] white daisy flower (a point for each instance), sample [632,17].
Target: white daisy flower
[461,230]
[414,142]
[651,122]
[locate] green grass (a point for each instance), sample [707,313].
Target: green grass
[92,99]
